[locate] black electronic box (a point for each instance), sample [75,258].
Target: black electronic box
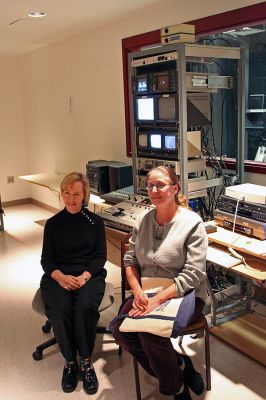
[106,176]
[246,209]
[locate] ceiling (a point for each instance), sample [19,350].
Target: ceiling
[65,18]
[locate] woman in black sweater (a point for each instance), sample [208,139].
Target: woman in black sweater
[73,284]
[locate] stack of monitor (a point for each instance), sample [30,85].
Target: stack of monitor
[156,113]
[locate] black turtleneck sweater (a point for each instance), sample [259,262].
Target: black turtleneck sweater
[74,243]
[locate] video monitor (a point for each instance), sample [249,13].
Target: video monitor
[170,142]
[166,108]
[142,84]
[143,139]
[145,109]
[155,141]
[162,82]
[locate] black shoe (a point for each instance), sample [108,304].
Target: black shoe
[90,381]
[185,395]
[70,377]
[192,378]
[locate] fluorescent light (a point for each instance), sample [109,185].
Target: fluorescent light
[37,14]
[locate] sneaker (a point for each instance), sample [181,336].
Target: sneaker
[70,377]
[90,381]
[192,378]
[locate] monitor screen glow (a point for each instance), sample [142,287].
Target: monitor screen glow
[155,141]
[145,109]
[170,142]
[142,85]
[163,82]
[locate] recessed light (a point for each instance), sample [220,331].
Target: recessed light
[37,14]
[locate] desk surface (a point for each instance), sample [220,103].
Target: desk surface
[253,250]
[244,244]
[52,181]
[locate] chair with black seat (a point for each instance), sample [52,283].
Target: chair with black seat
[199,327]
[38,306]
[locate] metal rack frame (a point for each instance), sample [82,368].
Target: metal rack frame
[196,52]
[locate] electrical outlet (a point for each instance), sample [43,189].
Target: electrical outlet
[10,179]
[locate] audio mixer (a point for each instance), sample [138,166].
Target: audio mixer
[124,215]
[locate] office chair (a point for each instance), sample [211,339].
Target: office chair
[199,327]
[38,306]
[2,228]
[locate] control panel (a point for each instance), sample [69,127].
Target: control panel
[147,164]
[124,215]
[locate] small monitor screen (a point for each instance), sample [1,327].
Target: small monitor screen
[170,142]
[142,85]
[155,141]
[143,140]
[145,109]
[163,82]
[166,108]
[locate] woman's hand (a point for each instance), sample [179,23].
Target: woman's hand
[68,282]
[152,303]
[83,279]
[139,303]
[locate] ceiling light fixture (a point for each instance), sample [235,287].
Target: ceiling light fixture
[37,14]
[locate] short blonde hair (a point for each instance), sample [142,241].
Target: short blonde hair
[73,177]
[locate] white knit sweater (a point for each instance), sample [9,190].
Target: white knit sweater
[175,250]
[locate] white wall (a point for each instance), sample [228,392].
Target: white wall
[87,69]
[13,143]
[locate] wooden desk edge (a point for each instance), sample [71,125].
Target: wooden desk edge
[240,249]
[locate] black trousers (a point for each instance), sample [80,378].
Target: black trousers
[154,353]
[74,314]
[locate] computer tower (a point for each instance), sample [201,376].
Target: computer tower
[120,176]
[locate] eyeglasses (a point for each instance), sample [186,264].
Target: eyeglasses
[159,186]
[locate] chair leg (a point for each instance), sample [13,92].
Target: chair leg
[38,353]
[46,344]
[207,359]
[137,381]
[180,340]
[47,327]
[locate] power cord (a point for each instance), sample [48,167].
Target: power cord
[230,249]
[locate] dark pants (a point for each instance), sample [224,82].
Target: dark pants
[154,353]
[74,314]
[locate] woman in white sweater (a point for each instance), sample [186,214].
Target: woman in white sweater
[169,242]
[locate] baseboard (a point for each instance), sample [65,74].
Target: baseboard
[43,205]
[18,202]
[31,201]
